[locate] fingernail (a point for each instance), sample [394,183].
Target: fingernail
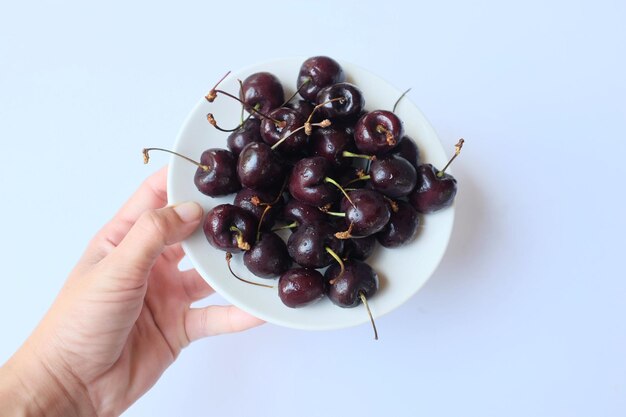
[188,211]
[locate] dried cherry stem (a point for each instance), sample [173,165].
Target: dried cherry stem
[212,94]
[346,234]
[457,151]
[400,98]
[392,203]
[336,184]
[258,228]
[369,313]
[308,80]
[323,123]
[339,261]
[146,157]
[289,226]
[254,109]
[348,154]
[241,243]
[388,135]
[228,258]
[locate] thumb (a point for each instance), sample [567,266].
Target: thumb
[151,233]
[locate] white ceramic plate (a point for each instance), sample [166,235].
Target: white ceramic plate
[402,271]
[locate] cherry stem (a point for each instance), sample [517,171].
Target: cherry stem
[334,213]
[346,234]
[308,80]
[242,106]
[457,151]
[228,258]
[369,312]
[241,243]
[338,259]
[276,122]
[289,226]
[400,98]
[146,157]
[210,97]
[258,228]
[348,154]
[388,135]
[307,130]
[336,184]
[359,178]
[340,99]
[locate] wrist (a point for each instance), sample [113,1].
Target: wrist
[30,386]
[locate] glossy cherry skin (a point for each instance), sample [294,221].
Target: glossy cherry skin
[369,214]
[319,71]
[271,133]
[359,248]
[248,133]
[221,218]
[255,201]
[258,167]
[432,193]
[307,182]
[302,213]
[407,148]
[378,132]
[307,245]
[268,257]
[305,108]
[393,176]
[264,90]
[358,277]
[300,286]
[349,108]
[330,142]
[220,179]
[402,226]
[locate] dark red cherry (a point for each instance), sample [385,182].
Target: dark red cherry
[368,213]
[433,191]
[313,245]
[302,213]
[292,120]
[256,202]
[268,257]
[345,289]
[359,248]
[305,108]
[300,286]
[330,142]
[402,226]
[263,92]
[309,184]
[249,132]
[408,150]
[318,72]
[392,175]
[220,178]
[378,132]
[230,228]
[258,167]
[350,105]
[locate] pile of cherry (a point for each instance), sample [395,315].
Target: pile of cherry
[339,177]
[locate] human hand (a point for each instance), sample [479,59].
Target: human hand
[122,317]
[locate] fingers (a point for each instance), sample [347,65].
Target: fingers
[152,194]
[134,257]
[214,320]
[195,286]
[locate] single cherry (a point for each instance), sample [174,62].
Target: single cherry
[359,248]
[298,213]
[310,182]
[408,150]
[230,228]
[349,106]
[316,73]
[392,175]
[357,283]
[247,133]
[330,142]
[378,132]
[367,214]
[402,226]
[289,128]
[262,91]
[435,189]
[314,245]
[215,174]
[268,257]
[300,286]
[258,167]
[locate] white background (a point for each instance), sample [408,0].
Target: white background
[526,314]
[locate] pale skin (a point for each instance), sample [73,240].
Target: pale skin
[122,317]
